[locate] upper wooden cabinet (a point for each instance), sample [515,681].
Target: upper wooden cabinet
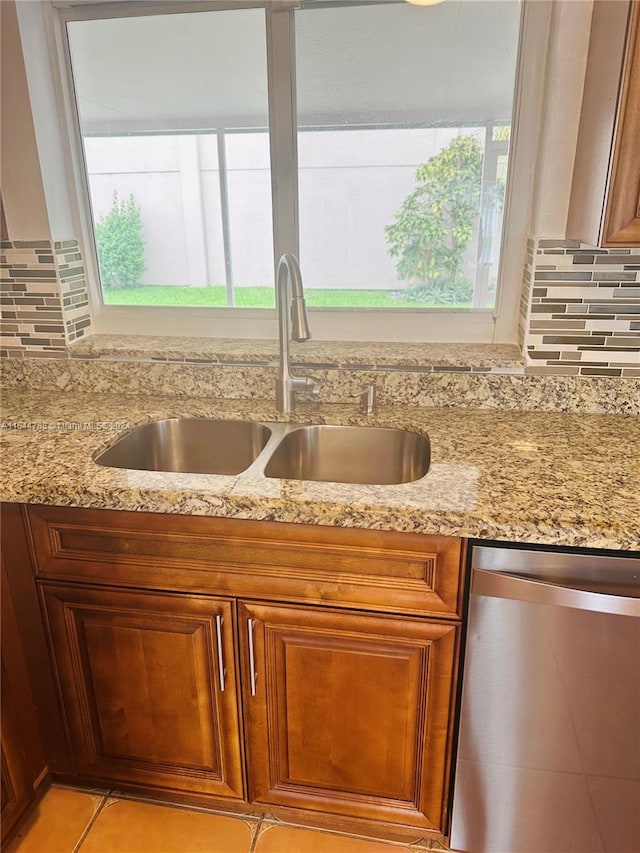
[605,195]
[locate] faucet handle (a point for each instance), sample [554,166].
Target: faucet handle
[313,385]
[368,399]
[305,385]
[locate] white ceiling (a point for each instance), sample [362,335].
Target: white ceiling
[454,62]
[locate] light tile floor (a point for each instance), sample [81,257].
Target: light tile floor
[73,821]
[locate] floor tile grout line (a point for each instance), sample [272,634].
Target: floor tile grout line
[91,823]
[422,845]
[258,820]
[256,834]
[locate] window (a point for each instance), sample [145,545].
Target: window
[174,117]
[370,138]
[400,200]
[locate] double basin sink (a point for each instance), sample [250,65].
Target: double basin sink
[340,454]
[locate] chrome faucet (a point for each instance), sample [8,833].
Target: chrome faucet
[286,384]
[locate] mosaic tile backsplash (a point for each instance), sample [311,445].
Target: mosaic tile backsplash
[44,298]
[580,309]
[73,290]
[579,316]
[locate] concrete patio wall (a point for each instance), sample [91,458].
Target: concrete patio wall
[351,183]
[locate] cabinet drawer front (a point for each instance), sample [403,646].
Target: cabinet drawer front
[398,572]
[147,683]
[348,713]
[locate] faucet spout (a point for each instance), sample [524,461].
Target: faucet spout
[292,323]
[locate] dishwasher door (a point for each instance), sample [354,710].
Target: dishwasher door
[549,746]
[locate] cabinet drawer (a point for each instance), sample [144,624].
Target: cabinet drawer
[380,570]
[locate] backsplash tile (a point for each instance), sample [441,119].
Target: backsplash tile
[579,319]
[44,298]
[580,309]
[32,321]
[525,294]
[73,290]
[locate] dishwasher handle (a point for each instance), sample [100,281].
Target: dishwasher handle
[500,584]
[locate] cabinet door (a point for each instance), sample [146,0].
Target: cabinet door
[15,787]
[604,207]
[622,211]
[348,714]
[24,769]
[148,683]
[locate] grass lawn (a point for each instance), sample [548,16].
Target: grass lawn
[259,297]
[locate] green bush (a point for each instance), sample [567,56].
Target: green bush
[431,231]
[441,292]
[120,244]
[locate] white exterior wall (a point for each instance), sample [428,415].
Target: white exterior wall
[351,185]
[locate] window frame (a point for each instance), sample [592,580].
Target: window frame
[497,325]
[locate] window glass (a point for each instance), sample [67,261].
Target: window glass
[173,113]
[250,218]
[403,117]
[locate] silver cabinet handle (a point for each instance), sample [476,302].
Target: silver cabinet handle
[252,659]
[505,585]
[221,667]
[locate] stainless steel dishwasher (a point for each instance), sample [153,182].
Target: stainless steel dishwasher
[549,748]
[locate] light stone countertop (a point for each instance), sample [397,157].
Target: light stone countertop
[541,477]
[485,357]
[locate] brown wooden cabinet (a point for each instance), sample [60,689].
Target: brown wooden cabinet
[17,792]
[348,713]
[23,767]
[301,669]
[605,195]
[148,683]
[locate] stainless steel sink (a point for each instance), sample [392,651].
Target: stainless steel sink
[344,454]
[338,454]
[189,445]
